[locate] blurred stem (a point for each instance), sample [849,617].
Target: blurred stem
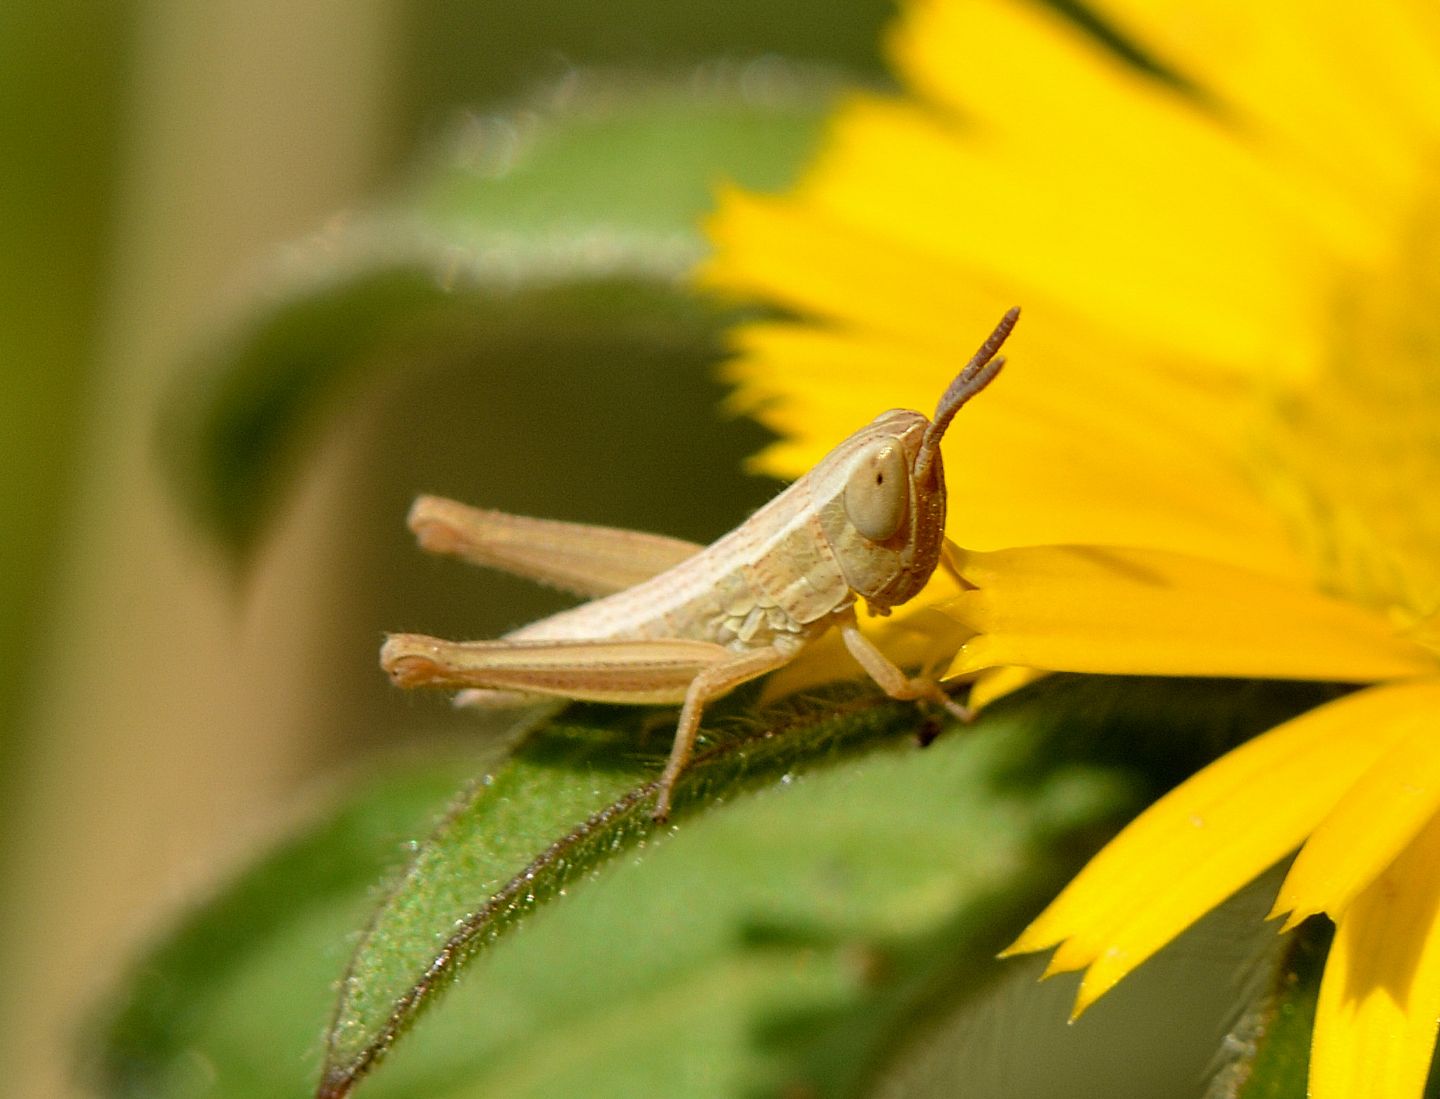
[60,71]
[166,722]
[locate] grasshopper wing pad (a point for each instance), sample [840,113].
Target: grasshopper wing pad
[636,672]
[587,560]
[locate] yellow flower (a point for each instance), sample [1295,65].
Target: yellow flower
[1217,451]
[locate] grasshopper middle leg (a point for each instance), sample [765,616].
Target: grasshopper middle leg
[710,683]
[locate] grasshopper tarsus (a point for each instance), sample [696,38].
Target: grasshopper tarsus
[959,711]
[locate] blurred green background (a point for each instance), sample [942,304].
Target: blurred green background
[159,707]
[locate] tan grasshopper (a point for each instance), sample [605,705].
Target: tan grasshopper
[676,622]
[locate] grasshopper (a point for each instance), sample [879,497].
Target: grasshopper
[675,622]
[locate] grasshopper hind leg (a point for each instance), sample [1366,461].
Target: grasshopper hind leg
[634,672]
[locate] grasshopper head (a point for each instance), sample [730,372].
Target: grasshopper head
[884,511]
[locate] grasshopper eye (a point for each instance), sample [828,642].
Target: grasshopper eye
[877,492]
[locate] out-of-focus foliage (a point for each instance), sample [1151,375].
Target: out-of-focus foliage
[462,53]
[575,219]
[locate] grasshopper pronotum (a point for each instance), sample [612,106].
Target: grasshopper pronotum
[672,621]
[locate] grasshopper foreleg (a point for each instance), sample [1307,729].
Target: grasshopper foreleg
[890,678]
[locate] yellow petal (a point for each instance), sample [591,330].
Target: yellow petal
[1056,93]
[1375,819]
[1380,996]
[1311,80]
[1089,240]
[1145,612]
[1209,836]
[794,254]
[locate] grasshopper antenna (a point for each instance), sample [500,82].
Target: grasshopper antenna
[979,372]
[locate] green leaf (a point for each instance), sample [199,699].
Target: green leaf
[825,892]
[573,798]
[568,803]
[575,216]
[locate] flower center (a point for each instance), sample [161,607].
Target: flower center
[1352,455]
